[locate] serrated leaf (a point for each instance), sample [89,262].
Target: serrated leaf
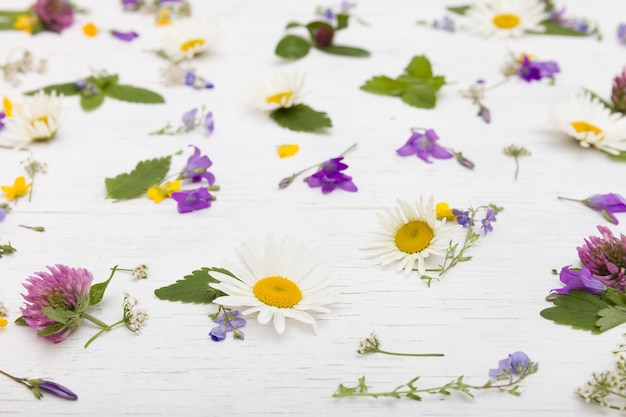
[90,103]
[342,21]
[420,68]
[67,89]
[579,309]
[133,94]
[97,290]
[145,175]
[385,86]
[292,47]
[193,288]
[461,10]
[611,317]
[301,118]
[345,51]
[422,96]
[553,28]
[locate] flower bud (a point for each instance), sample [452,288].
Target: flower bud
[618,95]
[324,36]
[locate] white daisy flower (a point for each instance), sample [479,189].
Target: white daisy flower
[505,18]
[411,235]
[189,38]
[282,90]
[279,281]
[587,120]
[37,119]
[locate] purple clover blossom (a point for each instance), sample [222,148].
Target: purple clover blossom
[486,222]
[330,177]
[196,168]
[621,33]
[56,389]
[605,257]
[193,200]
[125,36]
[423,145]
[55,15]
[463,217]
[515,363]
[579,280]
[61,288]
[530,70]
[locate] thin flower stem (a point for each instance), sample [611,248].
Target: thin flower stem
[20,380]
[516,167]
[408,354]
[498,84]
[32,183]
[104,329]
[569,199]
[96,320]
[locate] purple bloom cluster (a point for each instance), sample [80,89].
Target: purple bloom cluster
[530,70]
[197,166]
[424,146]
[330,177]
[55,15]
[582,279]
[516,363]
[228,321]
[195,170]
[605,257]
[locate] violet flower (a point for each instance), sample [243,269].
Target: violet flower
[131,4]
[579,280]
[516,363]
[61,288]
[55,15]
[607,204]
[2,123]
[209,122]
[57,389]
[228,321]
[424,146]
[189,119]
[330,177]
[125,36]
[486,222]
[193,200]
[536,70]
[3,213]
[462,217]
[621,33]
[605,257]
[217,334]
[196,168]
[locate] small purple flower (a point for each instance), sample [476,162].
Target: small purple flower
[131,4]
[486,222]
[536,70]
[217,334]
[605,257]
[209,122]
[190,78]
[446,24]
[57,389]
[516,363]
[3,213]
[621,33]
[423,145]
[464,161]
[125,36]
[55,15]
[579,280]
[463,217]
[196,168]
[330,177]
[607,204]
[229,321]
[189,119]
[2,117]
[484,113]
[82,84]
[189,201]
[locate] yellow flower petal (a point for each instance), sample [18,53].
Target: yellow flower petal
[444,211]
[8,107]
[164,18]
[3,322]
[90,30]
[19,188]
[160,193]
[285,151]
[24,22]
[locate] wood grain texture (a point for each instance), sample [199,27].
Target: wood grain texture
[477,314]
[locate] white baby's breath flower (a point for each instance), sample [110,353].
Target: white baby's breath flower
[134,319]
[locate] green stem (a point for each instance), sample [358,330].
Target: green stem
[408,354]
[569,199]
[516,166]
[20,380]
[96,320]
[104,329]
[30,192]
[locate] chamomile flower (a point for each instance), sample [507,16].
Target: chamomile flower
[411,235]
[37,119]
[282,90]
[505,18]
[188,39]
[587,120]
[279,281]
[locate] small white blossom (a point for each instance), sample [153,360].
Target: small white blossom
[134,319]
[140,272]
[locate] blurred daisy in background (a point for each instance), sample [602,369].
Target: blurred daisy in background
[188,39]
[505,18]
[282,90]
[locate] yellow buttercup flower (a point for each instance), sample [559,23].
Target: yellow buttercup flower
[285,151]
[161,192]
[90,30]
[25,22]
[164,18]
[19,188]
[444,211]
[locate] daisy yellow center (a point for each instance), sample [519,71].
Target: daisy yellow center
[43,119]
[584,127]
[191,43]
[506,21]
[280,98]
[414,236]
[277,291]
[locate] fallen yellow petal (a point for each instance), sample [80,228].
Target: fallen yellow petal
[8,107]
[3,322]
[285,151]
[90,30]
[164,18]
[444,211]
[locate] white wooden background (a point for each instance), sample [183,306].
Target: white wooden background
[481,311]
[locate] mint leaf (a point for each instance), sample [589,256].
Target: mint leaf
[145,175]
[292,47]
[90,103]
[385,86]
[611,317]
[301,118]
[579,309]
[97,290]
[345,51]
[458,9]
[133,94]
[67,89]
[420,68]
[422,96]
[193,288]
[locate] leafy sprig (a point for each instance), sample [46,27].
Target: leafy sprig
[7,249]
[608,389]
[371,344]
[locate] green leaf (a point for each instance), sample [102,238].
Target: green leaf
[611,317]
[604,102]
[193,288]
[301,118]
[420,68]
[345,51]
[145,175]
[579,309]
[422,96]
[20,321]
[619,157]
[67,89]
[385,86]
[53,328]
[553,28]
[133,94]
[458,9]
[90,103]
[314,26]
[60,315]
[292,47]
[342,21]
[97,290]
[293,25]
